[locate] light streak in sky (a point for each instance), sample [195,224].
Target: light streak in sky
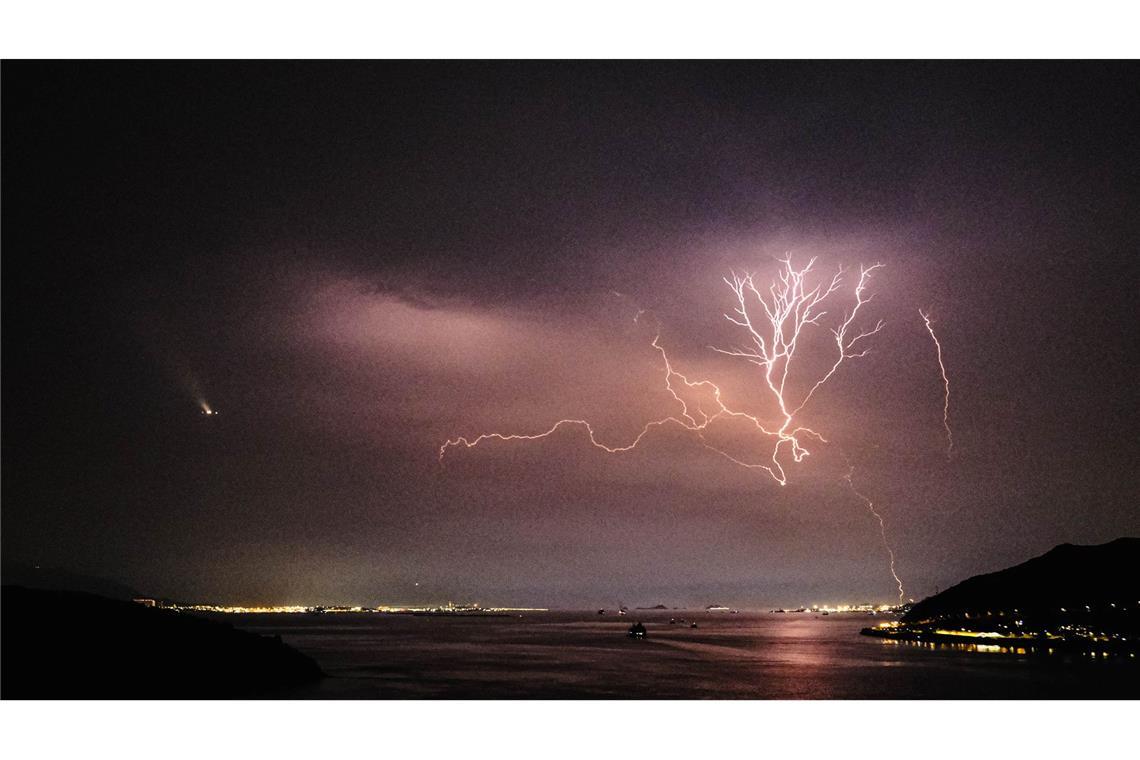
[882,526]
[195,388]
[774,319]
[945,383]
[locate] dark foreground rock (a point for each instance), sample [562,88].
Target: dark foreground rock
[72,645]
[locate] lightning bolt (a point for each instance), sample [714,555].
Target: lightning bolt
[945,383]
[774,320]
[882,525]
[693,420]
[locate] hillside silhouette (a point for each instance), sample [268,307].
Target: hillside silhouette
[59,644]
[1092,586]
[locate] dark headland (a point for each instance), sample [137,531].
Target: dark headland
[64,644]
[1070,599]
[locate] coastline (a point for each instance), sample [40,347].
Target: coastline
[988,641]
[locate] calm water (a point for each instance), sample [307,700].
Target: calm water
[584,655]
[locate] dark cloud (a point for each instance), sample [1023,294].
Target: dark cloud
[356,262]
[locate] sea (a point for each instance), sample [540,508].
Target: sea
[744,655]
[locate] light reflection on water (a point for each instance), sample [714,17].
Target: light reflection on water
[1039,650]
[747,655]
[968,647]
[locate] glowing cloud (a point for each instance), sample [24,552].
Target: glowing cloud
[774,320]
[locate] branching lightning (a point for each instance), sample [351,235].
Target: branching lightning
[774,320]
[882,526]
[945,383]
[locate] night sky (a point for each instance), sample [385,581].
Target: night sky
[353,263]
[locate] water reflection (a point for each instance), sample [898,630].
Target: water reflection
[1001,649]
[749,655]
[968,647]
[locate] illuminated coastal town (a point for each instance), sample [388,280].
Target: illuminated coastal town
[829,609]
[472,608]
[475,608]
[1104,630]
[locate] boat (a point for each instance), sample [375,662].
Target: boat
[636,631]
